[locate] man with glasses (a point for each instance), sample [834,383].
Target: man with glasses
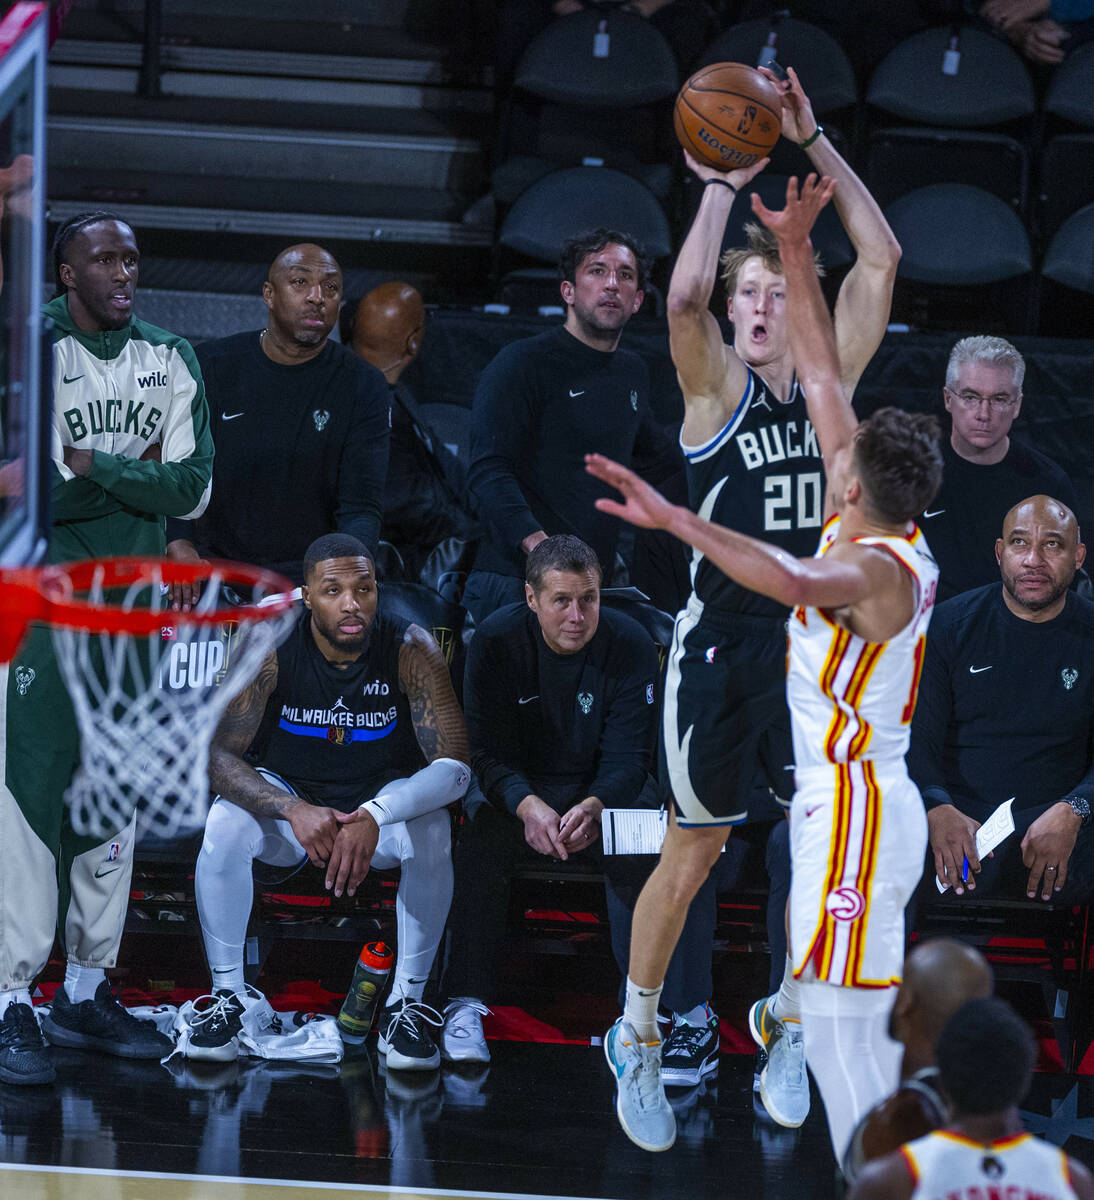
[986,471]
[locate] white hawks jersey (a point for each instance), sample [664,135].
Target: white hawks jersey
[947,1166]
[851,699]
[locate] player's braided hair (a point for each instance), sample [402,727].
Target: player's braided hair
[986,1056]
[333,545]
[71,229]
[899,463]
[759,243]
[562,552]
[577,249]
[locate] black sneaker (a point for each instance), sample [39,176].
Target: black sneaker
[689,1053]
[213,1030]
[404,1039]
[103,1024]
[23,1055]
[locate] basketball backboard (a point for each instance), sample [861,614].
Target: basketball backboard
[24,392]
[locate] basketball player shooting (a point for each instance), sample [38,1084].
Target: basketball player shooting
[860,609]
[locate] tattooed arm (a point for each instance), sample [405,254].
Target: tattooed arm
[423,676]
[233,778]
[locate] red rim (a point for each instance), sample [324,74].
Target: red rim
[39,594]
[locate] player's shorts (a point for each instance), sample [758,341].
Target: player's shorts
[725,714]
[858,835]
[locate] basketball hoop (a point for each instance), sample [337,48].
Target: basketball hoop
[148,683]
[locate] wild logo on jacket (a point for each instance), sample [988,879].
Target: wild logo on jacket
[585,699]
[320,417]
[1069,675]
[24,677]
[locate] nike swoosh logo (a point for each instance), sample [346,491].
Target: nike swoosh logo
[72,380]
[526,699]
[977,670]
[573,393]
[230,417]
[106,871]
[937,513]
[810,811]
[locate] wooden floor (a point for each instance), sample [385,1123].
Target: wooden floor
[538,1122]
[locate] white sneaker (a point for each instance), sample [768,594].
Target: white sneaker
[462,1039]
[784,1081]
[641,1105]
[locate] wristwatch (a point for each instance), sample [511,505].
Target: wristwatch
[1080,806]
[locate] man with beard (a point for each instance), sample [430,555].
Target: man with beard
[130,446]
[343,752]
[546,401]
[300,425]
[1006,708]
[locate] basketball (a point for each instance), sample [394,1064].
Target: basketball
[727,116]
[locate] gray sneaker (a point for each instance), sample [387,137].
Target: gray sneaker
[462,1039]
[641,1106]
[784,1082]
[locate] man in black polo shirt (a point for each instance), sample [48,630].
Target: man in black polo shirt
[985,470]
[546,401]
[560,702]
[1006,708]
[300,426]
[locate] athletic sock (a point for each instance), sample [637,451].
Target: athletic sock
[787,1005]
[228,976]
[81,983]
[15,996]
[640,1011]
[403,987]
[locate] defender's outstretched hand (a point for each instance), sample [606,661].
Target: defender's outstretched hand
[642,504]
[795,221]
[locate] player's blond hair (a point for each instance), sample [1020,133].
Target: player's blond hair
[759,243]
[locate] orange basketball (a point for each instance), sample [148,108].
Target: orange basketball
[727,116]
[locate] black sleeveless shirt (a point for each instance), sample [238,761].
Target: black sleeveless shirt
[338,735]
[762,475]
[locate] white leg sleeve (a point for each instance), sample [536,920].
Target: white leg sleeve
[223,885]
[849,1052]
[444,781]
[422,847]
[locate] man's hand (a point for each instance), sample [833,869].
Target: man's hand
[642,505]
[737,178]
[1005,13]
[152,453]
[532,541]
[541,824]
[353,850]
[11,478]
[796,220]
[78,461]
[316,829]
[798,121]
[580,827]
[1047,847]
[1041,41]
[183,596]
[953,839]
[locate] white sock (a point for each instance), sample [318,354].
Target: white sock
[15,996]
[640,1011]
[787,1005]
[81,983]
[228,974]
[405,988]
[850,1053]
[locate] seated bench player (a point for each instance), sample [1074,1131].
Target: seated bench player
[343,752]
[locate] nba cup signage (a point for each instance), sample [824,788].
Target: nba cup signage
[197,660]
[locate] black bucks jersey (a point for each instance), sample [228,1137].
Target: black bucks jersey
[761,475]
[337,735]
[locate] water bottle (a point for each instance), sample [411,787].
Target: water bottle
[365,992]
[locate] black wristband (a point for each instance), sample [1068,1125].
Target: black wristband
[812,137]
[721,183]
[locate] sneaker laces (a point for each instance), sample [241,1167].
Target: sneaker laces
[408,1016]
[460,1017]
[646,1077]
[796,1039]
[116,1017]
[689,1037]
[215,1015]
[20,1027]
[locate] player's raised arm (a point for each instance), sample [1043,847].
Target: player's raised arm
[423,675]
[865,297]
[812,338]
[708,369]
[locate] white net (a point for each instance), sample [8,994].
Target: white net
[147,704]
